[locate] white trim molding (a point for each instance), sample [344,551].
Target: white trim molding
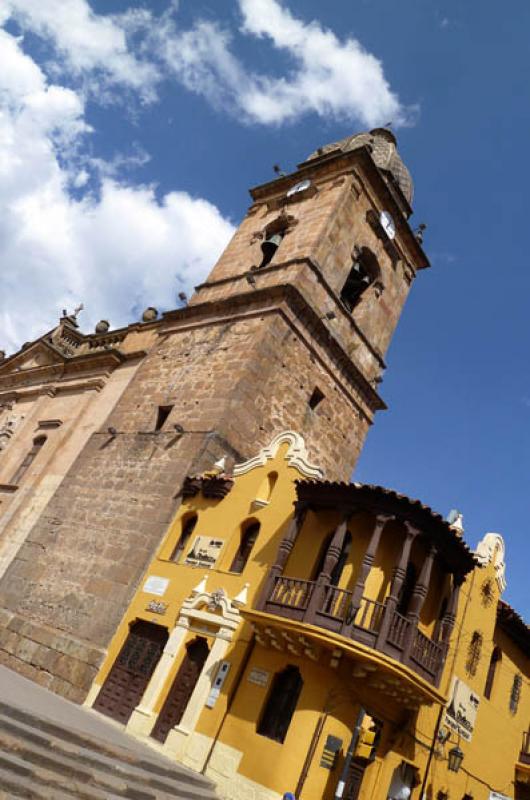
[296,456]
[492,548]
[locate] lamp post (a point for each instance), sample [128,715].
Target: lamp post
[455,759]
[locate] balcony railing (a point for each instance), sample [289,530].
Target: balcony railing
[372,623]
[525,750]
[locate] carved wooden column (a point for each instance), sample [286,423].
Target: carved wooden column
[418,599]
[398,577]
[449,618]
[366,566]
[330,561]
[284,551]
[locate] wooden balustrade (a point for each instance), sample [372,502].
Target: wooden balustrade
[398,630]
[426,653]
[334,611]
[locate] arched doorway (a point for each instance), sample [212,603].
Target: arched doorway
[132,670]
[182,689]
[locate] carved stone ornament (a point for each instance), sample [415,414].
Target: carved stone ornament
[296,456]
[216,600]
[8,422]
[156,607]
[492,549]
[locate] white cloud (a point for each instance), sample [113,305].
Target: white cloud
[89,45]
[115,249]
[72,228]
[332,78]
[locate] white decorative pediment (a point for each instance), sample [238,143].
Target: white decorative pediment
[296,456]
[492,549]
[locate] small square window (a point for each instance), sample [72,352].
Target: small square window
[316,398]
[162,415]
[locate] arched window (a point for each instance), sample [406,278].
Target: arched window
[364,271]
[29,459]
[188,525]
[496,657]
[248,540]
[515,694]
[272,239]
[266,487]
[281,704]
[405,594]
[474,653]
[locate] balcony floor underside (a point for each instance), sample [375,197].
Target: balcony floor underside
[381,672]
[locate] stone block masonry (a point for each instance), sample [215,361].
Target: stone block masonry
[235,367]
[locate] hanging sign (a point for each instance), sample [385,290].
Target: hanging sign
[461,712]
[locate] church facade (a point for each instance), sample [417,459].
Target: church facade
[180,547]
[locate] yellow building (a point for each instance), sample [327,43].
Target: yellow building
[285,618]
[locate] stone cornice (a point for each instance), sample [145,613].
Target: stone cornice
[314,266]
[257,302]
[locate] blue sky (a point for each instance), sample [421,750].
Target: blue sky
[130,135]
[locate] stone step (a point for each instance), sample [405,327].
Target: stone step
[79,762]
[24,780]
[58,761]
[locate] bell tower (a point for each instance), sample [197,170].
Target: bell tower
[324,259]
[289,331]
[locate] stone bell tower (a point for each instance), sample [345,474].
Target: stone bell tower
[289,331]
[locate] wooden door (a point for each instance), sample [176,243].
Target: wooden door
[355,778]
[182,689]
[132,670]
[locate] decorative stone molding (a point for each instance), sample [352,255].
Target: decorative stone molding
[296,456]
[9,420]
[492,549]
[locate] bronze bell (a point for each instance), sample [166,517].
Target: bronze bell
[269,247]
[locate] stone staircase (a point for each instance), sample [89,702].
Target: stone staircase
[54,757]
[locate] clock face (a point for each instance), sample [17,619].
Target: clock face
[299,187]
[387,223]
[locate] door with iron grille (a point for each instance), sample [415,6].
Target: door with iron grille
[132,670]
[182,688]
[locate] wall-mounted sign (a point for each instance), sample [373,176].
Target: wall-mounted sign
[205,552]
[330,752]
[258,676]
[462,708]
[156,585]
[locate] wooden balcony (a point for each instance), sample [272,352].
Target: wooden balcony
[524,756]
[373,624]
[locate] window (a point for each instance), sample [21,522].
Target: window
[248,540]
[162,415]
[474,653]
[281,703]
[272,240]
[496,657]
[188,525]
[407,589]
[29,459]
[315,398]
[364,271]
[515,694]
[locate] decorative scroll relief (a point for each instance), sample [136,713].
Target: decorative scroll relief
[296,456]
[8,422]
[492,549]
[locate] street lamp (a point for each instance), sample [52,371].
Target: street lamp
[456,757]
